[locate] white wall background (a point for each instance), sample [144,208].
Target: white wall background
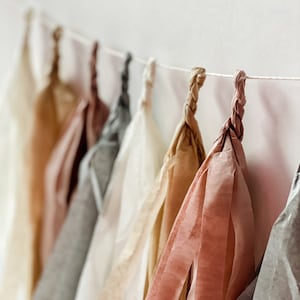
[261,37]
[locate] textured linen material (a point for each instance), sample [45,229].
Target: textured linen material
[214,229]
[16,108]
[61,177]
[53,107]
[61,275]
[188,152]
[134,172]
[279,276]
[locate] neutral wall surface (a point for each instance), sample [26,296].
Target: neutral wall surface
[260,37]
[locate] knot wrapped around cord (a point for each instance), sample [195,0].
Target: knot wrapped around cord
[148,79]
[93,71]
[124,99]
[196,82]
[56,36]
[28,17]
[238,103]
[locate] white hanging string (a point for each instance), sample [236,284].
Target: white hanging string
[50,22]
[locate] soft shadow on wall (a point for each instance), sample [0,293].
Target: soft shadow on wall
[269,177]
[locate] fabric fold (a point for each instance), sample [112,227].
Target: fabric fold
[61,177]
[134,172]
[61,275]
[279,276]
[53,107]
[181,162]
[16,109]
[214,229]
[188,152]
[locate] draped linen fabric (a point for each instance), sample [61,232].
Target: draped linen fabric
[279,276]
[188,153]
[16,108]
[214,230]
[53,107]
[61,179]
[134,172]
[181,162]
[61,275]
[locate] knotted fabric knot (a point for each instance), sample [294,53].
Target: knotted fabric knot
[56,36]
[93,71]
[196,81]
[124,99]
[148,79]
[125,73]
[28,17]
[238,103]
